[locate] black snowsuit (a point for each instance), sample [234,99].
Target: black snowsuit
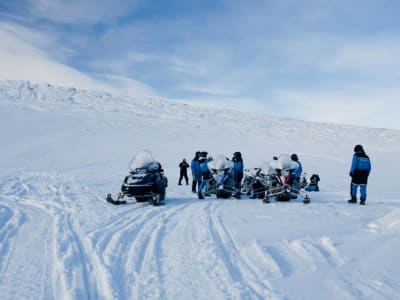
[183,172]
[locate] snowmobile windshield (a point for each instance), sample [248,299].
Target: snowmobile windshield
[284,162]
[142,160]
[220,162]
[267,168]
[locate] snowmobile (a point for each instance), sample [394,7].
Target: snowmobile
[279,183]
[222,184]
[249,179]
[257,180]
[145,182]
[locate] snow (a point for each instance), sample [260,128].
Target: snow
[64,149]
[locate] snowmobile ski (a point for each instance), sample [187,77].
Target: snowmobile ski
[306,200]
[115,202]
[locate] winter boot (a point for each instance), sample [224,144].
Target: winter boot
[362,201]
[200,195]
[352,200]
[266,200]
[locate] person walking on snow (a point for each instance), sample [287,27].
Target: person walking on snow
[183,166]
[196,172]
[359,172]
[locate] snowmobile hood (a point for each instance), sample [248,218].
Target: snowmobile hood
[143,160]
[220,162]
[284,162]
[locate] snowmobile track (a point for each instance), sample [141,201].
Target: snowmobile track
[241,271]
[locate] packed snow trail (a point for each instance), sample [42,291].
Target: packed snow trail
[76,255]
[69,243]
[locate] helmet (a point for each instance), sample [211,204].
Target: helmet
[203,154]
[294,157]
[237,154]
[358,148]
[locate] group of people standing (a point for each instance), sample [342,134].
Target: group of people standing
[359,172]
[201,174]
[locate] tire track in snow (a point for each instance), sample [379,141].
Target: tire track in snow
[123,248]
[143,266]
[11,219]
[190,260]
[112,248]
[29,256]
[75,270]
[249,279]
[76,258]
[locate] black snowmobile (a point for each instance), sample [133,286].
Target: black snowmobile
[146,181]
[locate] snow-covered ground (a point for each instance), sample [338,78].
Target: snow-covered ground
[63,149]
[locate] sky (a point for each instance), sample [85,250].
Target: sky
[316,60]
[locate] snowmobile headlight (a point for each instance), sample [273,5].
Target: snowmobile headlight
[220,172]
[134,179]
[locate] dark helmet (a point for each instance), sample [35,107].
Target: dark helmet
[358,148]
[237,154]
[203,154]
[275,158]
[197,153]
[294,157]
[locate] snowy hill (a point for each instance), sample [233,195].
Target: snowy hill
[63,149]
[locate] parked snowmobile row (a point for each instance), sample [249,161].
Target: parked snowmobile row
[146,181]
[274,180]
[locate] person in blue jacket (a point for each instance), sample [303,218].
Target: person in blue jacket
[205,175]
[296,173]
[196,172]
[359,172]
[237,172]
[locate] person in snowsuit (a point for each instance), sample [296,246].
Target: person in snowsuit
[237,172]
[205,175]
[183,166]
[296,173]
[359,172]
[196,172]
[313,186]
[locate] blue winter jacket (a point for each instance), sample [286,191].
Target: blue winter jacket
[238,166]
[195,167]
[203,165]
[360,162]
[298,171]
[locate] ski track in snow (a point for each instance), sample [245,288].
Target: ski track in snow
[248,279]
[82,248]
[89,260]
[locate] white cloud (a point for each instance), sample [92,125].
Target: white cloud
[21,58]
[78,11]
[376,107]
[377,54]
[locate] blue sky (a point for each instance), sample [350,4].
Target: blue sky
[326,61]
